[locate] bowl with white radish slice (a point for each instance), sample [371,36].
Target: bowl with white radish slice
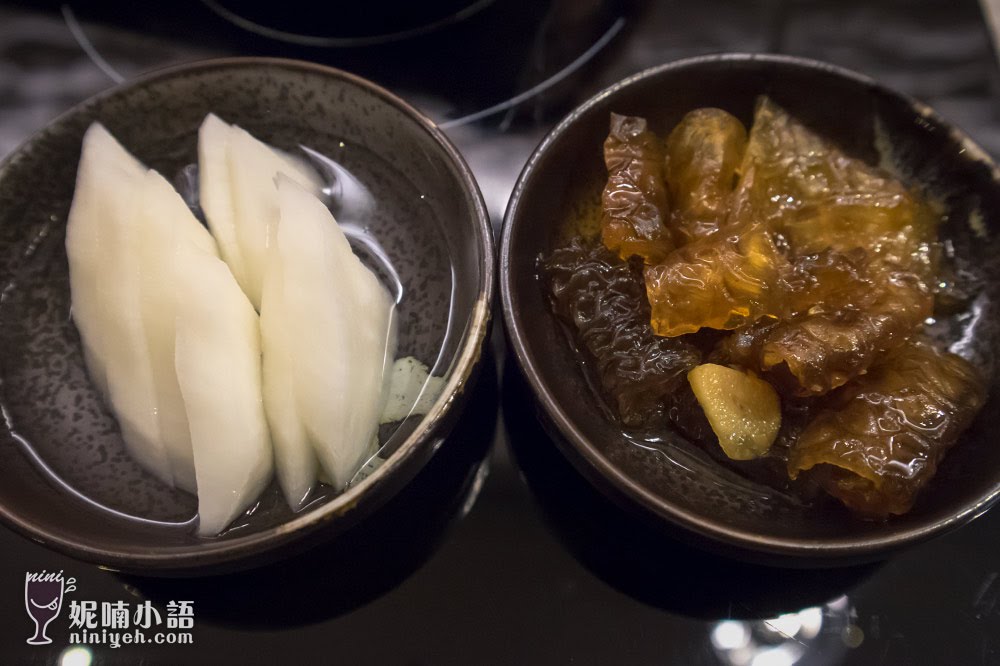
[244,302]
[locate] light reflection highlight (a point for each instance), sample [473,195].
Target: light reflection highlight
[76,655]
[814,636]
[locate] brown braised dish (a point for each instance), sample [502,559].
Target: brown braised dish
[765,294]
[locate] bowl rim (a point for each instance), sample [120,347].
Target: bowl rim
[596,467]
[412,453]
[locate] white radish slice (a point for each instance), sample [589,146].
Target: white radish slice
[215,190]
[253,166]
[102,159]
[83,247]
[244,224]
[166,223]
[102,243]
[218,366]
[294,459]
[340,326]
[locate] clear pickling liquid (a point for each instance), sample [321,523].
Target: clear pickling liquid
[410,256]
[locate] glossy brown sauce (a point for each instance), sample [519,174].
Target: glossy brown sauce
[780,255]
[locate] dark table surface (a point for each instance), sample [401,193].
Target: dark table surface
[520,562]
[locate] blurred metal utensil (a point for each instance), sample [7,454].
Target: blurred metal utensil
[991,10]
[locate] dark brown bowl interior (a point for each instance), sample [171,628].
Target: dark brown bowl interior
[428,215]
[682,487]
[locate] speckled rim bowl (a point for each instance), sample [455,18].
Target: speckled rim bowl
[728,515]
[412,169]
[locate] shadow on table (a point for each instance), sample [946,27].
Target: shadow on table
[368,560]
[638,558]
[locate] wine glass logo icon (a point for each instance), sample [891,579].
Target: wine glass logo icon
[43,595]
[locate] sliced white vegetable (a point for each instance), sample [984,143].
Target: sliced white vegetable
[253,166]
[102,160]
[165,224]
[245,222]
[218,365]
[102,244]
[339,324]
[294,459]
[412,390]
[215,190]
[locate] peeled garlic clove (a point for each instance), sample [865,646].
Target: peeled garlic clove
[743,410]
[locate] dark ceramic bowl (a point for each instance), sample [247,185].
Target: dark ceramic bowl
[685,494]
[66,480]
